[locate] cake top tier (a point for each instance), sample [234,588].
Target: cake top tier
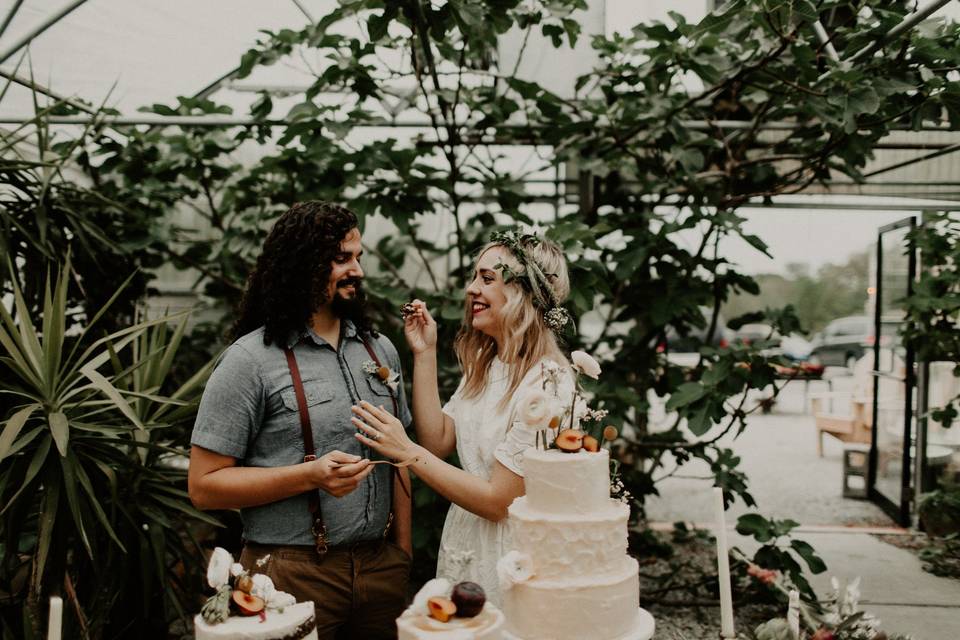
[558,482]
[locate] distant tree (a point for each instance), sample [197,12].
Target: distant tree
[836,290]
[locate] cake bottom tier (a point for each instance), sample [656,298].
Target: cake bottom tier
[595,607]
[296,622]
[643,628]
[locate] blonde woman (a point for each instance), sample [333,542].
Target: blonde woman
[506,345]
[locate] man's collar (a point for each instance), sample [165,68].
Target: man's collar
[347,330]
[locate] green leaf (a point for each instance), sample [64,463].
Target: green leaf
[754,524]
[60,430]
[13,426]
[99,382]
[805,551]
[686,394]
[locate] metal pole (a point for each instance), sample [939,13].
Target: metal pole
[10,15]
[304,11]
[908,23]
[237,121]
[825,41]
[43,26]
[928,156]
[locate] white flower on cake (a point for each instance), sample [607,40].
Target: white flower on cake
[536,409]
[262,587]
[585,364]
[218,571]
[280,599]
[514,568]
[436,588]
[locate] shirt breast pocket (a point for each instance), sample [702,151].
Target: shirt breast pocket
[317,394]
[381,393]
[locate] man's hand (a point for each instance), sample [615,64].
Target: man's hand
[339,473]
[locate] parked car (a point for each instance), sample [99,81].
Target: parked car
[695,337]
[842,342]
[793,346]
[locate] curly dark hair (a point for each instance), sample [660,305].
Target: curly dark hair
[289,282]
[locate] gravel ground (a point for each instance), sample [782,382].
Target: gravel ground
[786,477]
[684,615]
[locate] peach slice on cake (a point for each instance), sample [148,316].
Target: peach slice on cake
[570,440]
[247,604]
[591,444]
[441,608]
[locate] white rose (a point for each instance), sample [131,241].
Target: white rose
[535,409]
[262,587]
[514,568]
[218,571]
[280,599]
[585,364]
[436,588]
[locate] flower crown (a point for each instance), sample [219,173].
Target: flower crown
[531,276]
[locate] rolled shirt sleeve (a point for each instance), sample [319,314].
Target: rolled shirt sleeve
[232,405]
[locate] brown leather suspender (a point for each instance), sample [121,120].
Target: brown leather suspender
[318,528]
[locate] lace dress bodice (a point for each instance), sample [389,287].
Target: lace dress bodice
[470,546]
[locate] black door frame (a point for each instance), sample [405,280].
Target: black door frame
[899,512]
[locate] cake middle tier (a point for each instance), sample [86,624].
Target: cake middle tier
[561,482]
[563,545]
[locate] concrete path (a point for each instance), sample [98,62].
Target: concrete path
[893,584]
[788,480]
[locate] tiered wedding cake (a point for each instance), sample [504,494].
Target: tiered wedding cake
[569,576]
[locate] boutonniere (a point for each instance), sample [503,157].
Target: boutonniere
[386,375]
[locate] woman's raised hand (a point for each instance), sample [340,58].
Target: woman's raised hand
[420,329]
[382,432]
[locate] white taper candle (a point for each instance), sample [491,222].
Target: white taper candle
[793,614]
[55,620]
[723,568]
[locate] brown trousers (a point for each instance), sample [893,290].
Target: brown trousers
[358,590]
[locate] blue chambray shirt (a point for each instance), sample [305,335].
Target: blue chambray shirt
[249,412]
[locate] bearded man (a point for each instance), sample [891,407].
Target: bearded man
[274,438]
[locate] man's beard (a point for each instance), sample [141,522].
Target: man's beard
[349,307]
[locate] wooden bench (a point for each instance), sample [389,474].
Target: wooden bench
[851,424]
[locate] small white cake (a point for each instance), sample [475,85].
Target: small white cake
[273,614]
[416,623]
[295,622]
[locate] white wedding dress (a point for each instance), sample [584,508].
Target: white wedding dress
[470,545]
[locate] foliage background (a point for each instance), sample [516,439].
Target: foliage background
[657,192]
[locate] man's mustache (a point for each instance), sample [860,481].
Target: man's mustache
[346,282]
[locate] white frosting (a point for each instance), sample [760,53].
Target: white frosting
[584,584]
[487,625]
[276,625]
[558,482]
[567,545]
[596,606]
